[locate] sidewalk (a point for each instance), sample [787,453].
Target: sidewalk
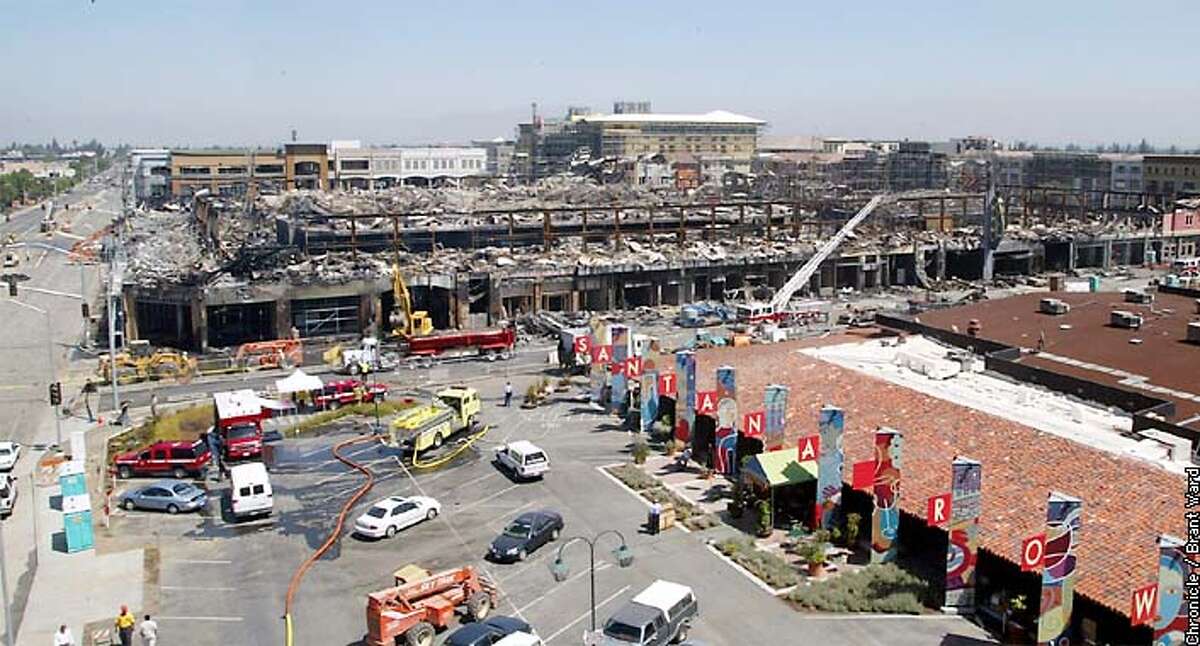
[76,589]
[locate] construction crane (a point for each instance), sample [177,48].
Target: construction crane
[805,273]
[406,322]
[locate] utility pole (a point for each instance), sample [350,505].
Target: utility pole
[8,631]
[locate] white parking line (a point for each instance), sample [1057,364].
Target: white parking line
[188,588]
[473,481]
[487,498]
[510,513]
[201,561]
[198,618]
[542,597]
[585,614]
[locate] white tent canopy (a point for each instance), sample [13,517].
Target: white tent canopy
[298,381]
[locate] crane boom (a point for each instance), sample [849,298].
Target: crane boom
[805,273]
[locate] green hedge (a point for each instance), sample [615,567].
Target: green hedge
[882,588]
[773,570]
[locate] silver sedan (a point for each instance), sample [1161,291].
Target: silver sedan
[171,496]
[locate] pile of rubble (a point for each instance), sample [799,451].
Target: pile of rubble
[551,192]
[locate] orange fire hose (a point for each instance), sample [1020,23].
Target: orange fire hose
[336,534]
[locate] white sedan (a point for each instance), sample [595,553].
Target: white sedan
[394,513]
[9,452]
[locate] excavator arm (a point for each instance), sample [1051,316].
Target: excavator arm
[406,322]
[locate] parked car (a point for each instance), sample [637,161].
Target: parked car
[250,492]
[525,534]
[349,391]
[8,495]
[170,496]
[10,452]
[488,632]
[520,638]
[178,459]
[523,459]
[395,513]
[661,614]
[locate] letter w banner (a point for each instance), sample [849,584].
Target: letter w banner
[706,402]
[753,422]
[666,384]
[633,367]
[1145,605]
[937,511]
[1033,552]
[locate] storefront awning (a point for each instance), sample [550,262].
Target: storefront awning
[780,468]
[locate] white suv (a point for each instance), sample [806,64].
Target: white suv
[524,459]
[9,453]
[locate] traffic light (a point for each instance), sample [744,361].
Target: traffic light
[12,287]
[85,310]
[55,394]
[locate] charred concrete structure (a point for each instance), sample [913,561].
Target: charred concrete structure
[320,264]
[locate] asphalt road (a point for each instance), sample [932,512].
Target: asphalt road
[224,583]
[53,286]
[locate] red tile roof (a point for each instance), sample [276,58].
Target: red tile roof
[1127,503]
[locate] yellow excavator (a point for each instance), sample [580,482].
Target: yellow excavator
[406,322]
[143,362]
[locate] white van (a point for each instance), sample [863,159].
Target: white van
[524,459]
[250,494]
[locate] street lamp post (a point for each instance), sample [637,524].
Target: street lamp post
[623,554]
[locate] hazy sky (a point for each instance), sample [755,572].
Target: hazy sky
[181,72]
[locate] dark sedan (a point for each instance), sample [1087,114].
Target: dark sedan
[486,632]
[525,534]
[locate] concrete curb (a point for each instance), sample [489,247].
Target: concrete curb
[748,574]
[603,469]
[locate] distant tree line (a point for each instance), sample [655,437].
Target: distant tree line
[1143,147]
[55,149]
[22,187]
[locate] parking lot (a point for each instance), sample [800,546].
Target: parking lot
[221,582]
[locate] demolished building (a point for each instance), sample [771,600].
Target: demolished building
[219,272]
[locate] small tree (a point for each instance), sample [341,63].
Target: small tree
[853,523]
[764,525]
[640,452]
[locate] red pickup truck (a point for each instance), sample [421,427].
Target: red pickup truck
[179,459]
[349,391]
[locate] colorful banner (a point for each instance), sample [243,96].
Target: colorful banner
[885,520]
[966,505]
[829,465]
[601,356]
[620,351]
[1058,568]
[1171,620]
[649,389]
[775,404]
[685,400]
[727,421]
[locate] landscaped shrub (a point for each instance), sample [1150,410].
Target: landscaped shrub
[773,570]
[633,477]
[876,588]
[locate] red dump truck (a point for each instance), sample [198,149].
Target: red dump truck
[490,344]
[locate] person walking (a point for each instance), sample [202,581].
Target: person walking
[507,393]
[149,632]
[64,637]
[124,623]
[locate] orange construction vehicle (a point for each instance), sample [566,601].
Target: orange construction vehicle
[280,353]
[421,603]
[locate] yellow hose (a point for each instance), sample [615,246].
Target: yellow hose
[287,622]
[446,458]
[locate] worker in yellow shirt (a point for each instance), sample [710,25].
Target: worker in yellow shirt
[125,621]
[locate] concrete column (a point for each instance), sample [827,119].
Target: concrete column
[885,270]
[129,309]
[199,323]
[1106,260]
[461,302]
[536,305]
[495,301]
[1071,256]
[283,318]
[860,276]
[366,312]
[940,262]
[656,289]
